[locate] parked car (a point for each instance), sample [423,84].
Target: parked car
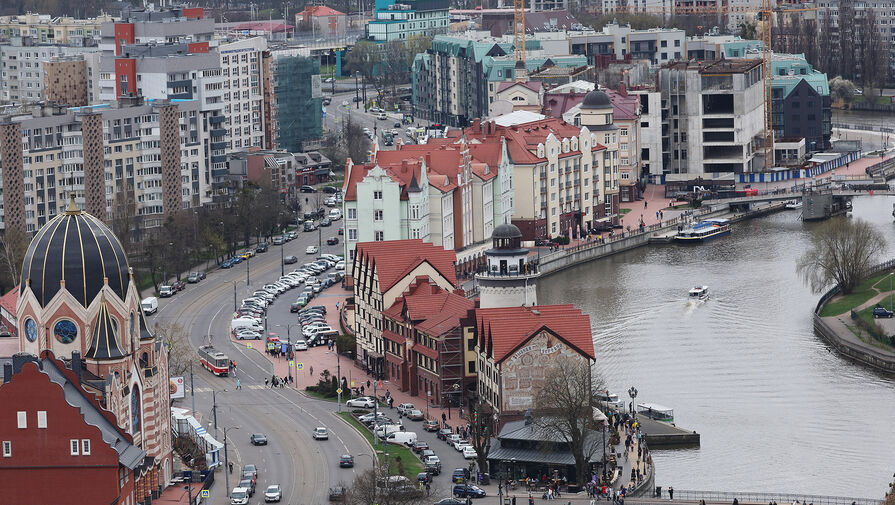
[150,305]
[330,190]
[278,240]
[226,264]
[332,241]
[404,408]
[262,247]
[420,446]
[259,439]
[364,402]
[249,483]
[290,260]
[325,222]
[193,278]
[166,291]
[464,490]
[430,425]
[882,312]
[469,452]
[423,477]
[415,415]
[179,285]
[444,433]
[251,468]
[346,461]
[308,189]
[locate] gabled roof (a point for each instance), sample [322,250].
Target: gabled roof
[9,300]
[430,308]
[535,86]
[104,344]
[403,173]
[442,163]
[502,330]
[625,107]
[322,10]
[394,259]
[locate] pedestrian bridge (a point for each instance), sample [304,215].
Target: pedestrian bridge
[782,196]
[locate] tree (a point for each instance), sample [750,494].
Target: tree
[481,430]
[873,53]
[563,409]
[13,246]
[846,49]
[842,252]
[180,352]
[842,89]
[825,47]
[364,57]
[357,141]
[372,487]
[748,30]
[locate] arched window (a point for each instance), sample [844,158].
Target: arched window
[135,410]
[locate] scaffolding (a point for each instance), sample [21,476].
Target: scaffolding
[298,106]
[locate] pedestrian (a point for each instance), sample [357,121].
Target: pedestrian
[531,500]
[230,464]
[238,384]
[284,381]
[265,382]
[645,204]
[428,488]
[671,492]
[514,500]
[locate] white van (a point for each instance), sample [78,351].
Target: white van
[150,305]
[387,429]
[381,115]
[402,437]
[335,214]
[245,323]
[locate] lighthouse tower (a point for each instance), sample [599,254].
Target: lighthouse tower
[511,280]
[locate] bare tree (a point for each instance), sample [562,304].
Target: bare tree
[842,252]
[842,89]
[481,430]
[180,352]
[563,408]
[373,487]
[873,53]
[357,141]
[13,246]
[826,46]
[846,49]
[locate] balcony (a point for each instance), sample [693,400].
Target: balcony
[216,146]
[216,120]
[222,172]
[218,132]
[220,158]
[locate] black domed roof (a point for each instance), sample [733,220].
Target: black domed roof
[78,249]
[506,230]
[596,99]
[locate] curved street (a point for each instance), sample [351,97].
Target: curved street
[303,467]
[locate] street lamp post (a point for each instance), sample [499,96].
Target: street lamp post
[633,394]
[891,274]
[248,273]
[282,260]
[227,460]
[356,91]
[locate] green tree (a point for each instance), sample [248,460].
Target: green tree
[842,252]
[842,89]
[748,30]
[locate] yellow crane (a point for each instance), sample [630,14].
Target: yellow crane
[519,29]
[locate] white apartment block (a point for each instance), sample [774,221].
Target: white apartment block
[243,92]
[21,68]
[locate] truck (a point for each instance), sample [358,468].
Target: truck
[214,360]
[150,305]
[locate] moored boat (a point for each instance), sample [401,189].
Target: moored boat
[704,230]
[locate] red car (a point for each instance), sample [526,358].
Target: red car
[179,285]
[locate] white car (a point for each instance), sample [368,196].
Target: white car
[469,452]
[404,408]
[312,249]
[301,345]
[460,444]
[239,496]
[340,265]
[273,493]
[364,401]
[320,433]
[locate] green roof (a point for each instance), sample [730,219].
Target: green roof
[795,68]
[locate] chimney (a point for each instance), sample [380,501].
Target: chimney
[76,364]
[19,359]
[621,88]
[7,373]
[429,160]
[403,166]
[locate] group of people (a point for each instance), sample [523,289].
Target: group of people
[275,381]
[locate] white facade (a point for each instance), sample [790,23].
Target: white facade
[401,21]
[21,69]
[243,92]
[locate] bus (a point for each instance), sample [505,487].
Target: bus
[214,360]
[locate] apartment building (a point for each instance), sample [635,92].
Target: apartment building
[712,117]
[885,15]
[65,81]
[241,69]
[172,55]
[380,273]
[295,102]
[323,21]
[458,79]
[46,29]
[385,202]
[516,348]
[22,68]
[130,158]
[424,341]
[801,105]
[401,20]
[622,43]
[565,177]
[714,47]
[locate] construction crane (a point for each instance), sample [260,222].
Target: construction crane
[768,8]
[519,29]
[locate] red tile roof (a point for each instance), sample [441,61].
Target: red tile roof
[322,10]
[624,106]
[430,308]
[522,140]
[443,162]
[503,330]
[401,172]
[395,259]
[9,300]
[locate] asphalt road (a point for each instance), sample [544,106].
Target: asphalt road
[337,111]
[303,467]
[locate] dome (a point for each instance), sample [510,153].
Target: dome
[596,99]
[506,231]
[79,250]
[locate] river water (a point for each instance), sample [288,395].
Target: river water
[777,411]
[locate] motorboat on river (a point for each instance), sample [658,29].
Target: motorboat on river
[699,293]
[656,411]
[704,230]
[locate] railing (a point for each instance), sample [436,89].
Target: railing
[753,497]
[864,126]
[888,265]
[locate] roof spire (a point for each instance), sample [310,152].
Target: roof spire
[72,209]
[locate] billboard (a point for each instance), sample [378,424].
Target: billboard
[176,387]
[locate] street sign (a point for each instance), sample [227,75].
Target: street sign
[299,366]
[291,363]
[352,383]
[249,346]
[206,493]
[339,391]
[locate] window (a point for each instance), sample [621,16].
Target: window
[377,195]
[472,366]
[352,233]
[23,419]
[7,449]
[74,447]
[41,418]
[352,213]
[85,447]
[377,215]
[379,236]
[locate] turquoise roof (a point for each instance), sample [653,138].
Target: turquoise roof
[787,70]
[737,48]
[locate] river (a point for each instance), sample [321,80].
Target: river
[777,411]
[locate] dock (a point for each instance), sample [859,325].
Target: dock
[659,434]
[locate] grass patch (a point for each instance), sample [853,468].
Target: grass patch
[861,294]
[144,281]
[622,212]
[398,455]
[320,396]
